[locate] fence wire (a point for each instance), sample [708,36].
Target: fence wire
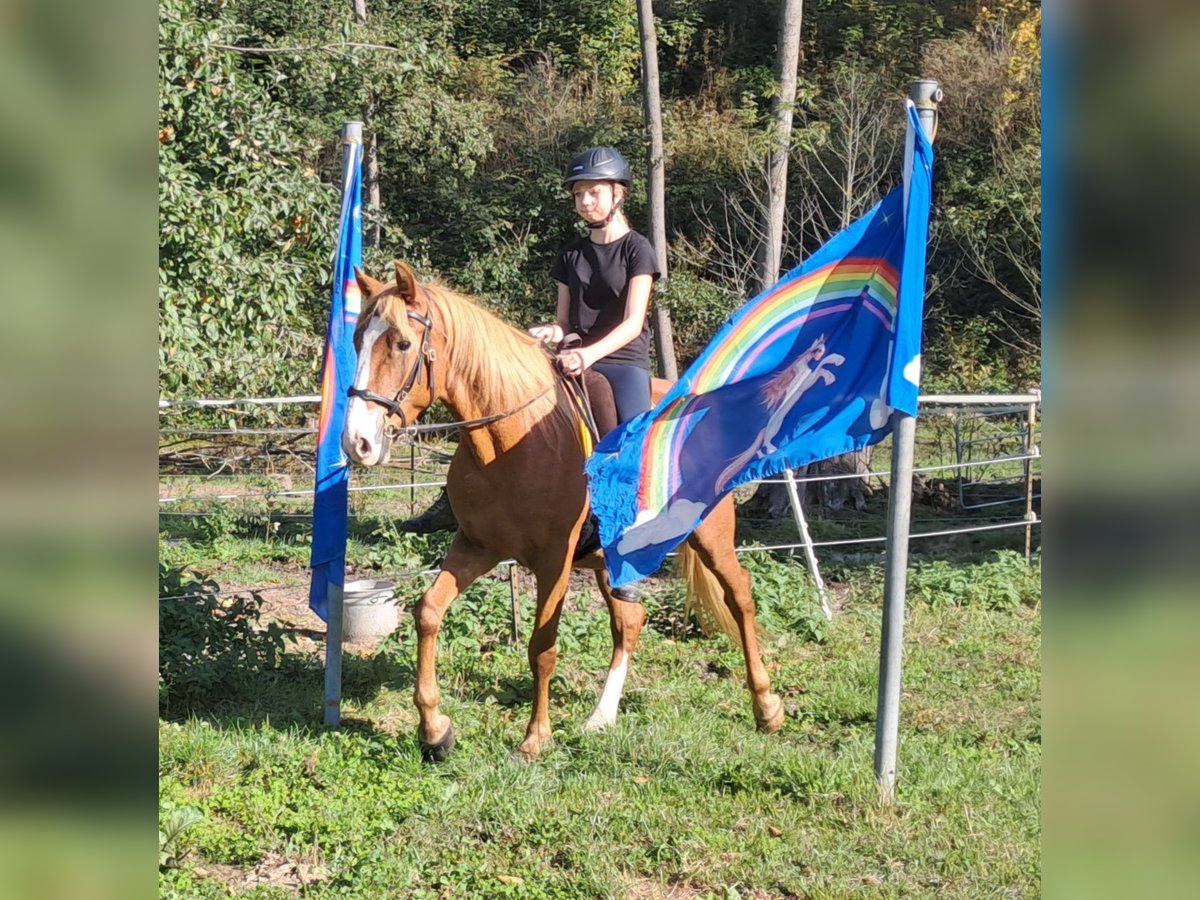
[973,410]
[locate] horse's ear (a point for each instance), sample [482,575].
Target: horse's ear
[368,285]
[406,282]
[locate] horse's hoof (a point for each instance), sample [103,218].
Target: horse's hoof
[772,719]
[437,752]
[595,725]
[530,749]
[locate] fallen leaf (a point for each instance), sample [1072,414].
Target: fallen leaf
[774,832]
[641,779]
[510,879]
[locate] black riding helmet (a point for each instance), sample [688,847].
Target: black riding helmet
[599,164]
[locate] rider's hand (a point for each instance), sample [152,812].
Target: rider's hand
[573,362]
[547,334]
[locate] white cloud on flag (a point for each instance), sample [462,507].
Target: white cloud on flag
[912,371]
[651,528]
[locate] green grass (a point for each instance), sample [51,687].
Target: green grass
[680,798]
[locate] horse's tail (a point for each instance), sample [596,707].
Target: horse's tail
[705,596]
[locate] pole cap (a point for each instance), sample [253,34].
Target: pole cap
[925,90]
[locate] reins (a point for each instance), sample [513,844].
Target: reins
[469,423]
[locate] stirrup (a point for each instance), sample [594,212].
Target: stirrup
[439,517]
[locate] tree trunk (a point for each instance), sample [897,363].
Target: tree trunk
[787,58]
[371,178]
[834,494]
[664,344]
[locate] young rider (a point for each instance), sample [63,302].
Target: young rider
[604,280]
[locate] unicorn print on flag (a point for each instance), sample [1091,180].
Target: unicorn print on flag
[782,393]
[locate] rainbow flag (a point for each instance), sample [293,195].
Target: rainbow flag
[337,374]
[810,368]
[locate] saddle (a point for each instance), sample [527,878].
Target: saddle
[602,409]
[600,401]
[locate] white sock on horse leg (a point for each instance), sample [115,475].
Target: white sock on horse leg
[606,710]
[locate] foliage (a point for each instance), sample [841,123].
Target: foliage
[785,597]
[243,248]
[988,218]
[474,106]
[175,822]
[209,645]
[1002,583]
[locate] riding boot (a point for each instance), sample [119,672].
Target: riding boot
[439,517]
[630,593]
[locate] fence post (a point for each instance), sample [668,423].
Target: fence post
[809,552]
[514,598]
[925,94]
[1030,446]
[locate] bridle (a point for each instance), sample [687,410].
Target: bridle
[426,357]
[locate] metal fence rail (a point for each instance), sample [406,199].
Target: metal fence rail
[963,407]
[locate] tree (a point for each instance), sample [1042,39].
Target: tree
[242,270]
[663,341]
[787,58]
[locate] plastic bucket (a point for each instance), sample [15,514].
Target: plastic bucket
[369,609]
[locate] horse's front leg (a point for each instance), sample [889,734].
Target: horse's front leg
[464,563]
[552,579]
[625,621]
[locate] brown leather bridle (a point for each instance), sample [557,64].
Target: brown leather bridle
[426,357]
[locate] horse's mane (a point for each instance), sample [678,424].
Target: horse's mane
[499,366]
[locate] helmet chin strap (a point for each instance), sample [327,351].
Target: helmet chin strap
[607,219]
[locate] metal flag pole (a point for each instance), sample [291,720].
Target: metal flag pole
[351,136]
[925,95]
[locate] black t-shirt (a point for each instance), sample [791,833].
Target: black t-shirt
[597,276]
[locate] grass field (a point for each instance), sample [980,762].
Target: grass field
[681,798]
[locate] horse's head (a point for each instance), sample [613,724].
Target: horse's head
[394,381]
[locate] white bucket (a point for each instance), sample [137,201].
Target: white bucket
[369,608]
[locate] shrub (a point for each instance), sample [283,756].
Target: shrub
[209,646]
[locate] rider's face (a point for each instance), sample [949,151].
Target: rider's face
[593,199]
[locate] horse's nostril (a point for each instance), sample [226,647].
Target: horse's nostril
[362,447]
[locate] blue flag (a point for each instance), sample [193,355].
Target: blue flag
[337,374]
[810,368]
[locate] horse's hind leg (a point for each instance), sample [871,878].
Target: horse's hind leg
[625,620]
[713,541]
[464,563]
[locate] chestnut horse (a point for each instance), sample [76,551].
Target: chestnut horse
[517,487]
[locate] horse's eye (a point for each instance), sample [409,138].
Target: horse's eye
[403,345]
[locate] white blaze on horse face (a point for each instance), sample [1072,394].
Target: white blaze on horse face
[363,419]
[606,710]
